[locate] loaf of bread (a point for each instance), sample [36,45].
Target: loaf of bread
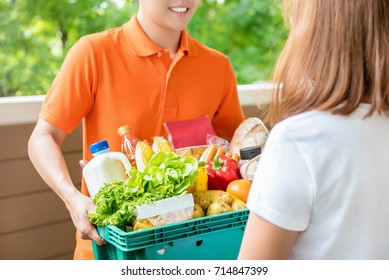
[251,132]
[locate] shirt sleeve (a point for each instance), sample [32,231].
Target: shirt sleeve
[70,97]
[282,189]
[230,113]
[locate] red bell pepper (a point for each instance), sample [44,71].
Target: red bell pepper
[221,171]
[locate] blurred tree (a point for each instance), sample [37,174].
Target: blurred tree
[250,32]
[35,36]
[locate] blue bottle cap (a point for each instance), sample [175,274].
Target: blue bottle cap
[98,146]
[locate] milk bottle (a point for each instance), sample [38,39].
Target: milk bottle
[105,167]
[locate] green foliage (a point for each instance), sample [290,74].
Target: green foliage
[35,36]
[250,32]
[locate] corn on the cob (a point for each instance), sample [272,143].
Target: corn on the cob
[143,153]
[160,144]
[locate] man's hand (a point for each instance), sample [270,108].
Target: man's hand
[79,207]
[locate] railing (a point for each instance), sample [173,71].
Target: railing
[25,109]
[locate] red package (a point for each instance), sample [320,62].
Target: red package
[187,133]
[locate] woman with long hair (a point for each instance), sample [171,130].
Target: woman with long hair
[321,189]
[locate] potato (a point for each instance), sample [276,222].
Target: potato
[220,196]
[218,207]
[197,211]
[202,200]
[237,204]
[205,198]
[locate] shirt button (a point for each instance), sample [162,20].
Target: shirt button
[159,54]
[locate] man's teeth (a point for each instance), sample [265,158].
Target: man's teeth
[179,10]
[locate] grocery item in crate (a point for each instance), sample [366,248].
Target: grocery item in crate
[251,132]
[218,141]
[200,182]
[249,161]
[166,175]
[160,144]
[249,153]
[221,171]
[213,150]
[192,132]
[194,151]
[215,202]
[105,167]
[165,211]
[129,142]
[144,151]
[143,154]
[240,189]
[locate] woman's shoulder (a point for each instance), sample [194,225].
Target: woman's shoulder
[309,126]
[305,120]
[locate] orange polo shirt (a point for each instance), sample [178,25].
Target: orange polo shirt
[120,76]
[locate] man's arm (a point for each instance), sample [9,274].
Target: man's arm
[44,149]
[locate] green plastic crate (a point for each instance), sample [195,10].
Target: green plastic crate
[215,237]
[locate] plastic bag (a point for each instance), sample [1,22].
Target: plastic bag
[217,141]
[167,211]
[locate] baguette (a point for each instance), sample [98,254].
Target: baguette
[251,132]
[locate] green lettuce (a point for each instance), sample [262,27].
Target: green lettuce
[166,175]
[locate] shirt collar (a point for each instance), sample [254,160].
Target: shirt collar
[142,45]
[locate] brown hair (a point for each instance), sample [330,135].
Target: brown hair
[336,57]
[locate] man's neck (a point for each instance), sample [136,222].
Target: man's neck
[166,39]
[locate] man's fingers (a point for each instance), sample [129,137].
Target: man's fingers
[82,163]
[97,238]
